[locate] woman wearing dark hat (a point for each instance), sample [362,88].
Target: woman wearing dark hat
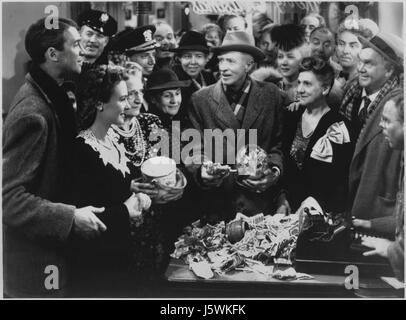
[292,48]
[164,96]
[192,56]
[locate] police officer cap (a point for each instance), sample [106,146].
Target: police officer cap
[137,40]
[99,21]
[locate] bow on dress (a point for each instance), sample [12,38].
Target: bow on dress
[323,150]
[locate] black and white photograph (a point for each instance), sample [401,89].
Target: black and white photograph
[208,149]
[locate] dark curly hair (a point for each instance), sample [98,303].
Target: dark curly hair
[95,86]
[323,71]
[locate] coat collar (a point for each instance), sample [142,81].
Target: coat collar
[226,115]
[57,99]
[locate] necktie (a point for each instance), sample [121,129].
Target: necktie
[363,114]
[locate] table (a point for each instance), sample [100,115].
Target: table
[182,283]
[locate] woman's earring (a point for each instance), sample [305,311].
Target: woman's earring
[100,108]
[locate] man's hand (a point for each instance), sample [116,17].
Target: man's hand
[294,106]
[379,246]
[86,225]
[262,183]
[362,224]
[211,180]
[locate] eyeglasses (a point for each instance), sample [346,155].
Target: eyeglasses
[135,94]
[312,63]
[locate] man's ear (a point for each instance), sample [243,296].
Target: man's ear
[389,71]
[250,65]
[52,54]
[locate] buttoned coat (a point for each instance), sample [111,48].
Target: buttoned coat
[35,225]
[210,109]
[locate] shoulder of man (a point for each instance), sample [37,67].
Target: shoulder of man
[27,102]
[204,92]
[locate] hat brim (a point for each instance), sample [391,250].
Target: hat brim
[191,48]
[170,85]
[256,53]
[368,44]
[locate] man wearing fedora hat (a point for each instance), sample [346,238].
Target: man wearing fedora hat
[374,169]
[96,28]
[238,102]
[192,56]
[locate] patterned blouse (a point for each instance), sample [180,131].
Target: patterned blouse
[299,146]
[141,140]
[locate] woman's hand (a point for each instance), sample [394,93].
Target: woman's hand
[133,205]
[172,195]
[137,203]
[148,188]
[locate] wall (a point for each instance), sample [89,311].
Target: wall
[16,18]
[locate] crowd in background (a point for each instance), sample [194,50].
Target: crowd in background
[327,108]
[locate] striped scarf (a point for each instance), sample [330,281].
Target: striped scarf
[354,92]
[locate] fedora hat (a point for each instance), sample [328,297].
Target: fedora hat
[388,46]
[136,40]
[240,41]
[165,79]
[192,41]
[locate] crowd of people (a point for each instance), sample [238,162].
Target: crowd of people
[327,109]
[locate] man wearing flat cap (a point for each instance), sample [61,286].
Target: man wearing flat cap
[238,102]
[96,28]
[375,168]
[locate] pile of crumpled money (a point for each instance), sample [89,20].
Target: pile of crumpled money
[269,242]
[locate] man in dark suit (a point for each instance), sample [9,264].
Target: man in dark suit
[375,167]
[238,102]
[37,134]
[392,125]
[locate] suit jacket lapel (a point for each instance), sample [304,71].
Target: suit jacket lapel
[254,106]
[223,110]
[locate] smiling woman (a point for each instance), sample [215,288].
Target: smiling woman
[101,174]
[314,157]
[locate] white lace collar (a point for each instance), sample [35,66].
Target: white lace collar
[104,153]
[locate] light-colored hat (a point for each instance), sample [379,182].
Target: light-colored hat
[240,41]
[388,46]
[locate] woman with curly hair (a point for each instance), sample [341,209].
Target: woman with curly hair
[101,175]
[317,144]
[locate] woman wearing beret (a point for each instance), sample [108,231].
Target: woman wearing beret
[192,56]
[317,143]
